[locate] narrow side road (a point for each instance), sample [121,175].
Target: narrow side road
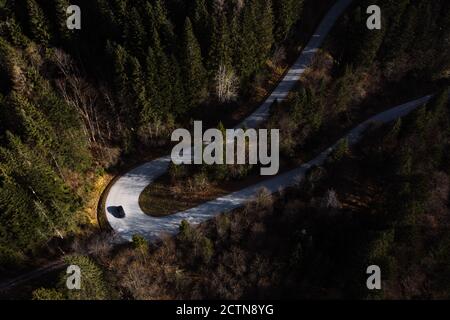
[24,278]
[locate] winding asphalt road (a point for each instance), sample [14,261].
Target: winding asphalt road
[126,190]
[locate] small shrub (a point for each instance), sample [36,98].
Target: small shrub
[140,243]
[264,199]
[47,294]
[342,149]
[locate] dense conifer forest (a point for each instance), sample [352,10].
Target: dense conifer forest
[74,100]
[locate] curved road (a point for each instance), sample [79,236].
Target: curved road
[126,190]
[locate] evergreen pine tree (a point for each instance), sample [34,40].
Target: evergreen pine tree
[41,205]
[137,94]
[119,8]
[35,126]
[178,97]
[199,17]
[13,32]
[408,30]
[108,25]
[93,285]
[287,12]
[193,71]
[37,22]
[265,26]
[120,57]
[64,33]
[247,56]
[219,51]
[164,27]
[135,34]
[235,40]
[395,10]
[164,81]
[152,87]
[369,47]
[47,294]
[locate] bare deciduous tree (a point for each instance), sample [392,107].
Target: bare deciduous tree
[330,200]
[226,84]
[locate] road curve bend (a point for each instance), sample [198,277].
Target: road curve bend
[126,190]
